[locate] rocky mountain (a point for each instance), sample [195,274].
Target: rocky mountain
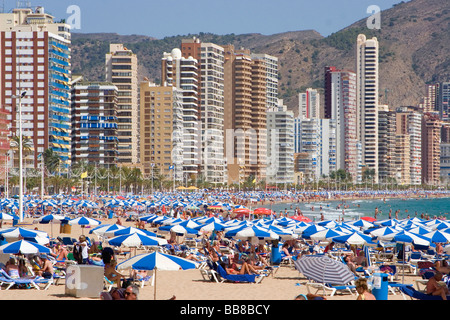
[414,47]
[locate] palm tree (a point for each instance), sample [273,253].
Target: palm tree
[27,145]
[51,160]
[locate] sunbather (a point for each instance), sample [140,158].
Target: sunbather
[59,252]
[363,290]
[111,273]
[434,288]
[12,268]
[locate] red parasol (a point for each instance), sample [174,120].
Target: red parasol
[301,218]
[263,211]
[369,219]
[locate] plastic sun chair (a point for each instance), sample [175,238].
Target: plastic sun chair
[8,282]
[33,282]
[142,281]
[108,284]
[251,278]
[210,273]
[333,289]
[414,294]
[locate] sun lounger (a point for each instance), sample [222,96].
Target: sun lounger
[4,281]
[209,272]
[332,289]
[251,278]
[33,282]
[414,294]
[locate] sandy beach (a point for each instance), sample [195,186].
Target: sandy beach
[285,284]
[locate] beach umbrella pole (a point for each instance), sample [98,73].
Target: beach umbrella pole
[154,288]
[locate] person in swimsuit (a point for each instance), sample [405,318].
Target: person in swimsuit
[363,290]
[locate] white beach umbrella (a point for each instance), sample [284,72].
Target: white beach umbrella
[157,261]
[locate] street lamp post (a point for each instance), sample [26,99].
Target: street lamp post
[20,157]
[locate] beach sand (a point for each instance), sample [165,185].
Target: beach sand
[286,284]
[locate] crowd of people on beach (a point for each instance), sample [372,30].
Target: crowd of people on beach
[236,257]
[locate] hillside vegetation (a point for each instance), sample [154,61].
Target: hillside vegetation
[414,46]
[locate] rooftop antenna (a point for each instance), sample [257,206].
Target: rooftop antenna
[23,4]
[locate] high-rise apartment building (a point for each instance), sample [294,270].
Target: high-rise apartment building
[122,71]
[431,139]
[35,60]
[402,159]
[161,115]
[444,101]
[211,99]
[309,104]
[280,145]
[183,74]
[367,100]
[316,138]
[445,132]
[245,115]
[271,78]
[340,105]
[94,123]
[386,144]
[445,162]
[409,122]
[430,102]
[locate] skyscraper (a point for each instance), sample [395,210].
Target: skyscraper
[386,144]
[340,105]
[409,123]
[280,145]
[245,114]
[161,115]
[211,99]
[367,100]
[430,102]
[444,101]
[309,104]
[36,59]
[431,139]
[183,74]
[121,70]
[271,66]
[94,123]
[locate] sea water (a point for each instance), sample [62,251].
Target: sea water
[337,209]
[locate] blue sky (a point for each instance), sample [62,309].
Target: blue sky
[161,18]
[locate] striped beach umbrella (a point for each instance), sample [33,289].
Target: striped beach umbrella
[324,235]
[361,223]
[323,269]
[16,233]
[7,217]
[157,261]
[161,261]
[23,247]
[136,240]
[128,231]
[437,236]
[409,237]
[385,233]
[85,221]
[355,238]
[102,229]
[256,232]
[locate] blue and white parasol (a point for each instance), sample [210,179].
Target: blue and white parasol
[23,247]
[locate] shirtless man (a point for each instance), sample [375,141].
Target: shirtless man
[47,267]
[436,289]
